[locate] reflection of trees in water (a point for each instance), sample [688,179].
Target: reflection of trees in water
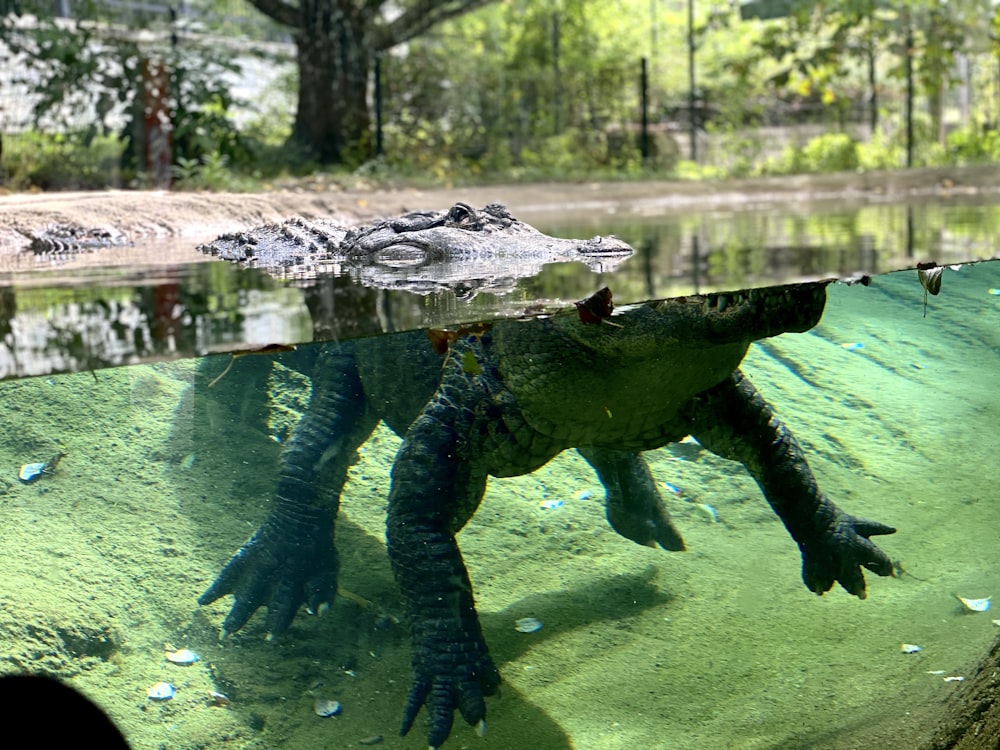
[699,251]
[53,329]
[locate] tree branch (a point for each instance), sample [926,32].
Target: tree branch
[287,14]
[418,18]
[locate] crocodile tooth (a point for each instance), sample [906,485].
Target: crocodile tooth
[723,302]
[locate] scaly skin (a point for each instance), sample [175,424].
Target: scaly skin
[665,371]
[291,559]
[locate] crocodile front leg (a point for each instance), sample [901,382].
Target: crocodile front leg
[733,420]
[634,507]
[291,559]
[434,491]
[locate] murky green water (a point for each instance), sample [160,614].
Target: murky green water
[719,646]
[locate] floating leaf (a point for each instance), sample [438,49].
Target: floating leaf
[441,339]
[596,308]
[930,279]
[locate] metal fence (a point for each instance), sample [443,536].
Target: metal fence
[264,53]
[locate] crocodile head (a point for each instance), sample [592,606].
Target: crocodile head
[749,315]
[622,382]
[463,233]
[462,250]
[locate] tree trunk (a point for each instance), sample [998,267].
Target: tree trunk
[334,48]
[336,41]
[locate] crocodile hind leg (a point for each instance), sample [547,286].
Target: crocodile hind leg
[634,506]
[291,559]
[734,421]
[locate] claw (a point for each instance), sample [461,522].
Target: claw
[481,727]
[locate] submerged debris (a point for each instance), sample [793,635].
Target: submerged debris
[161,691]
[326,707]
[975,605]
[183,657]
[266,349]
[31,472]
[710,512]
[528,625]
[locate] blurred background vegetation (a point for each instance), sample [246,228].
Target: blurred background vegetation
[251,93]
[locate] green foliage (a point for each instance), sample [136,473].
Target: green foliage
[832,152]
[882,151]
[538,89]
[73,161]
[973,145]
[545,90]
[71,67]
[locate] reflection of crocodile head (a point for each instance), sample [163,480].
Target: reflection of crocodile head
[461,249]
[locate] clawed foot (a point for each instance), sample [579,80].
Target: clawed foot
[449,679]
[649,528]
[841,551]
[278,570]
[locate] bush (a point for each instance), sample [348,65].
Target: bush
[831,152]
[970,146]
[71,161]
[881,152]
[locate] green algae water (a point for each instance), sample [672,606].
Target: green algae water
[721,646]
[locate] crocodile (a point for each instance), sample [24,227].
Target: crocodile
[503,401]
[291,559]
[462,249]
[69,239]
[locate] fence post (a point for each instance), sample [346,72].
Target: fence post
[378,105]
[909,91]
[644,99]
[692,96]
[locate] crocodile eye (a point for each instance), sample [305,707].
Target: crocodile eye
[461,213]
